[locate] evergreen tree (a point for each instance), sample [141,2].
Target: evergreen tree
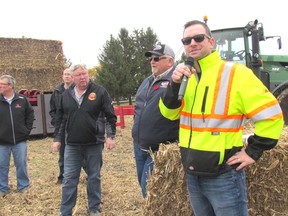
[123,65]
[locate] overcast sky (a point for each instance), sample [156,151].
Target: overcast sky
[84,26]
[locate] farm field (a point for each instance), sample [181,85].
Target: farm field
[121,195]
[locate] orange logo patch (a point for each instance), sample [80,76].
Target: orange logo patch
[92,96]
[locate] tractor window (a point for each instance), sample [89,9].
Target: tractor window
[230,44]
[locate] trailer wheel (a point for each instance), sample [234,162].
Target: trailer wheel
[283,101]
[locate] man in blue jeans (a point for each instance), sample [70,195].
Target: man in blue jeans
[150,128]
[80,106]
[219,97]
[17,116]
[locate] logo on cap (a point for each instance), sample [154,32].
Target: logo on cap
[158,47]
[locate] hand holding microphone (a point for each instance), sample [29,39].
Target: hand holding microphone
[189,63]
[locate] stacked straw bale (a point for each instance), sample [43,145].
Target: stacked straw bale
[166,187]
[267,183]
[35,64]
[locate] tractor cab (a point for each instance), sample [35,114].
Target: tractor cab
[230,44]
[242,45]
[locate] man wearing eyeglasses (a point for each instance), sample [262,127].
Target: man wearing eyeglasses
[17,116]
[219,96]
[150,128]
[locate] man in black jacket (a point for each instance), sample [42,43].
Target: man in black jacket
[17,116]
[150,128]
[80,107]
[54,105]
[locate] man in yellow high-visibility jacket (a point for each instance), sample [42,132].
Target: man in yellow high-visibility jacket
[219,96]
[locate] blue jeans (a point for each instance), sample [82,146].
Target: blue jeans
[73,159]
[144,166]
[19,152]
[224,195]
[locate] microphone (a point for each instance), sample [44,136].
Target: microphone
[189,63]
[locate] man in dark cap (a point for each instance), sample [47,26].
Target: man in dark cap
[150,128]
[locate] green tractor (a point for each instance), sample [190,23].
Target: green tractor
[243,45]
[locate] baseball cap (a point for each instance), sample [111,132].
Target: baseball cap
[160,49]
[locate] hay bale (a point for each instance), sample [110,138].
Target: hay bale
[267,184]
[35,64]
[166,187]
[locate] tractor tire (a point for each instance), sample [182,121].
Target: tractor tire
[283,101]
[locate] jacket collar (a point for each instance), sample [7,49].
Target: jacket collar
[210,60]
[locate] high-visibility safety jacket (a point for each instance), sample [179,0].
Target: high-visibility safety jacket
[213,111]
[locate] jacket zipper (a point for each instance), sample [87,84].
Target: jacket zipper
[12,123]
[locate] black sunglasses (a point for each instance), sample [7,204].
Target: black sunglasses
[157,58]
[197,38]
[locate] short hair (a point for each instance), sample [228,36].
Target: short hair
[197,22]
[66,69]
[76,66]
[10,80]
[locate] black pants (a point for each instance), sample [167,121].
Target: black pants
[61,159]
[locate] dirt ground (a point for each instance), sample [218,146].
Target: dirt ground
[121,195]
